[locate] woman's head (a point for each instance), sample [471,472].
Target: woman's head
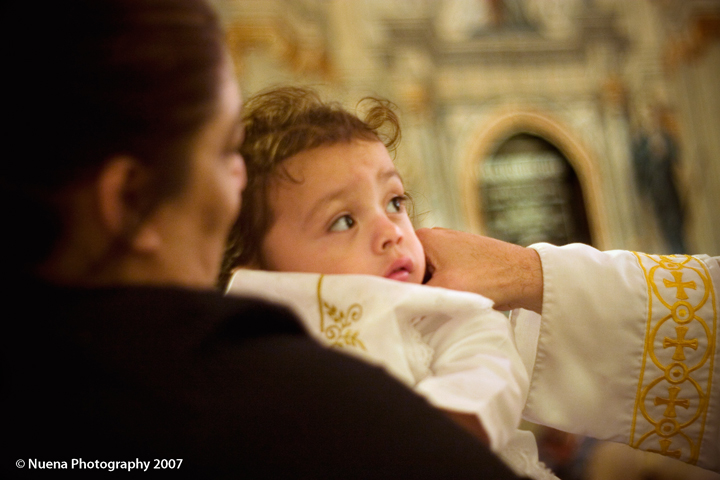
[100,82]
[279,125]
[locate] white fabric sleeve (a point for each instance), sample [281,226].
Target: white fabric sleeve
[475,369]
[627,350]
[450,346]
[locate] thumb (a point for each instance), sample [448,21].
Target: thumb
[431,243]
[426,237]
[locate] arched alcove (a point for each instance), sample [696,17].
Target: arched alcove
[553,141]
[529,193]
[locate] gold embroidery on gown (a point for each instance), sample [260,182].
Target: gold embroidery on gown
[676,375]
[337,331]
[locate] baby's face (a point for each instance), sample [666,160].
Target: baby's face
[346,215]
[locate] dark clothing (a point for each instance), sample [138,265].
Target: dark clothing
[232,386]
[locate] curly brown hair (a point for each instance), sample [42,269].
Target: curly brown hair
[279,124]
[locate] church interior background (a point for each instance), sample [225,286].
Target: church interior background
[527,120]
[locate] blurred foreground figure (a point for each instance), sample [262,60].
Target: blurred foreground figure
[120,183]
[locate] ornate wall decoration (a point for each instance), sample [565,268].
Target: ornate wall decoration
[302,56]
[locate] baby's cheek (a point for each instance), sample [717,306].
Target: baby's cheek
[331,261]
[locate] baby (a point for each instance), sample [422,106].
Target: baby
[324,197]
[323,194]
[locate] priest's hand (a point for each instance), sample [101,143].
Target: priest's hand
[508,274]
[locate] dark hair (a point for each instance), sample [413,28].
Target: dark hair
[96,79]
[281,123]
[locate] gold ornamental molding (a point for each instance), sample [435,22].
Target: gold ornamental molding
[281,41]
[701,31]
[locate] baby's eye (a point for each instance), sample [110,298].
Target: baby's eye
[396,204]
[343,223]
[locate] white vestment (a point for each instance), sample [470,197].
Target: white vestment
[450,346]
[627,350]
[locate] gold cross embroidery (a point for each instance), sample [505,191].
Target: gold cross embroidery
[664,446]
[680,285]
[671,402]
[680,344]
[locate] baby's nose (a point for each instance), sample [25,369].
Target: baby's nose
[387,235]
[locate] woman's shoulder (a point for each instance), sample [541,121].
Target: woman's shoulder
[155,309]
[139,330]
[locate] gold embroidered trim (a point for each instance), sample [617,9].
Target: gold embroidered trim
[676,375]
[338,332]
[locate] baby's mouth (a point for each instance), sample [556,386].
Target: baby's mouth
[400,269]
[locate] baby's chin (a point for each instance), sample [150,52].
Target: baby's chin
[418,276]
